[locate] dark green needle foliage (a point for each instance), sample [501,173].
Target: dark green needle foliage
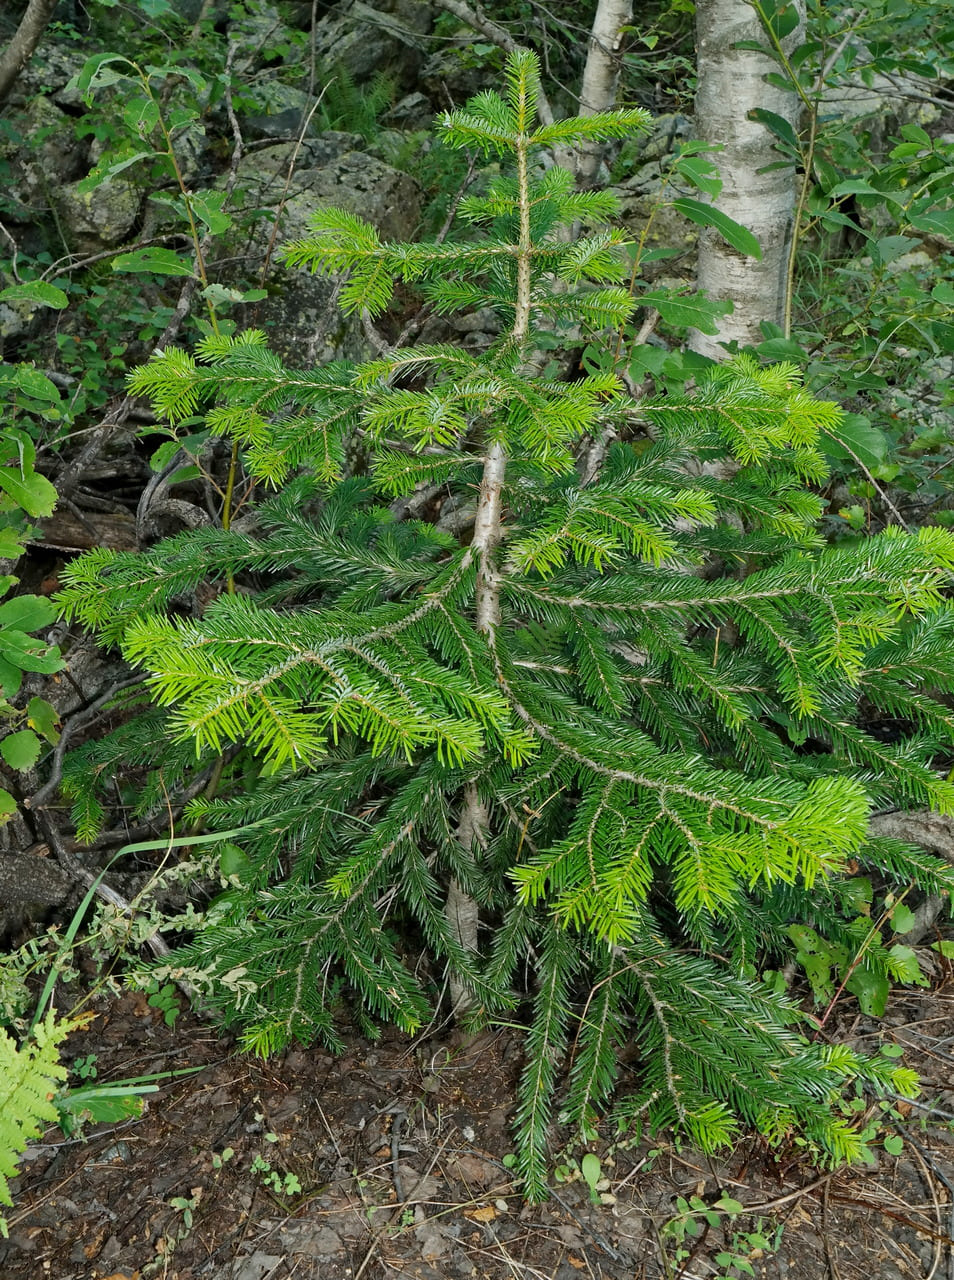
[620,718]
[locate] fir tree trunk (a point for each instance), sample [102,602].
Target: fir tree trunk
[754,193]
[460,908]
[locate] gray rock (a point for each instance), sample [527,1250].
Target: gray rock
[662,136]
[454,72]
[286,109]
[301,315]
[103,216]
[49,71]
[369,39]
[256,1266]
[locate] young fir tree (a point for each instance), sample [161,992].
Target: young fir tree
[610,738]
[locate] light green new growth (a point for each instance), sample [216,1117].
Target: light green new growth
[620,717]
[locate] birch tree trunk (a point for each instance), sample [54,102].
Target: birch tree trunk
[601,76]
[732,83]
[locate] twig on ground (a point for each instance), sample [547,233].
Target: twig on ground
[398,1210]
[928,1164]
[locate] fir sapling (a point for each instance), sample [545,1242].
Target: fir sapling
[553,745]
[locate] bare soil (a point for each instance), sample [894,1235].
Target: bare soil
[399,1152]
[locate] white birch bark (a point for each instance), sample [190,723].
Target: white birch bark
[732,83]
[601,76]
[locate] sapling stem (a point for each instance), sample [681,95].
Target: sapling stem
[460,907]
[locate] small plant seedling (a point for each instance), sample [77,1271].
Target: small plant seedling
[282,1184]
[85,1068]
[163,997]
[592,1172]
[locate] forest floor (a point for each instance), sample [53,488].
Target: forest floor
[399,1148]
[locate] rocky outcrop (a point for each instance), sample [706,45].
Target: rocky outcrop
[301,315]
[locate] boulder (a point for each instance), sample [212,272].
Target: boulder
[99,218]
[301,315]
[386,37]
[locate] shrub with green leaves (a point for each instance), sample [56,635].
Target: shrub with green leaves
[24,494]
[608,737]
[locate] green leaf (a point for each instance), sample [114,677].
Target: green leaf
[776,124]
[12,542]
[701,172]
[872,990]
[832,219]
[778,349]
[8,806]
[159,262]
[184,474]
[20,750]
[208,207]
[11,677]
[854,187]
[914,133]
[27,613]
[591,1169]
[780,17]
[100,1104]
[97,73]
[892,1050]
[939,222]
[221,295]
[37,293]
[889,248]
[856,440]
[705,215]
[945,948]
[141,115]
[29,490]
[902,919]
[894,1144]
[96,177]
[26,653]
[155,8]
[904,964]
[43,717]
[646,359]
[689,310]
[36,385]
[234,861]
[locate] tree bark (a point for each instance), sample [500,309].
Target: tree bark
[732,83]
[20,49]
[28,879]
[601,76]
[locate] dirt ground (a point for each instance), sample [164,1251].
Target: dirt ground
[398,1150]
